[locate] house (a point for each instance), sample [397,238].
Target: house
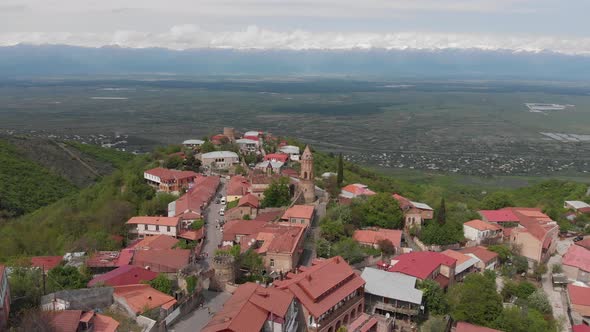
[248,145]
[576,264]
[104,261]
[78,299]
[148,226]
[163,260]
[193,143]
[331,294]
[292,151]
[503,217]
[253,307]
[536,234]
[391,293]
[577,206]
[584,243]
[371,237]
[465,264]
[219,159]
[236,188]
[299,214]
[480,231]
[140,298]
[169,180]
[280,157]
[466,327]
[259,182]
[80,321]
[247,206]
[415,213]
[579,300]
[581,328]
[356,190]
[488,260]
[124,275]
[235,230]
[191,206]
[270,166]
[4,297]
[254,135]
[279,244]
[368,323]
[46,262]
[426,265]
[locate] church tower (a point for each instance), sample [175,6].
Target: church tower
[306,184]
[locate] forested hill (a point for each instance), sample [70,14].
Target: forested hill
[35,172]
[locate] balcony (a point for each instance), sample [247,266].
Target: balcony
[352,302]
[397,309]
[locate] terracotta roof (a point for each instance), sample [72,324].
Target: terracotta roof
[167,175]
[124,275]
[299,211]
[501,215]
[156,242]
[193,235]
[584,243]
[581,328]
[480,252]
[250,200]
[289,172]
[47,262]
[104,323]
[374,236]
[249,308]
[237,186]
[357,189]
[110,258]
[363,323]
[482,225]
[277,238]
[420,264]
[321,286]
[197,197]
[241,227]
[161,221]
[141,297]
[269,216]
[403,202]
[282,157]
[65,320]
[536,223]
[168,260]
[466,327]
[460,257]
[579,295]
[577,256]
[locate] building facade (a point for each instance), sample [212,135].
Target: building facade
[306,183]
[219,159]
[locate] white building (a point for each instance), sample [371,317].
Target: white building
[219,159]
[248,145]
[478,230]
[292,151]
[193,143]
[578,206]
[276,165]
[148,226]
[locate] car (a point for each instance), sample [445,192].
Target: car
[222,211]
[217,201]
[578,238]
[223,200]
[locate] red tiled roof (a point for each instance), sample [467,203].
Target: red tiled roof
[482,225]
[110,258]
[104,323]
[193,235]
[241,227]
[167,175]
[47,262]
[466,327]
[403,202]
[124,275]
[421,264]
[480,252]
[169,260]
[289,172]
[581,328]
[161,221]
[374,236]
[237,186]
[282,157]
[322,285]
[460,257]
[65,320]
[579,295]
[197,197]
[585,243]
[358,189]
[362,323]
[250,200]
[249,308]
[584,210]
[278,238]
[156,242]
[141,297]
[577,256]
[501,215]
[269,216]
[299,211]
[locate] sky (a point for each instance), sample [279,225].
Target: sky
[519,25]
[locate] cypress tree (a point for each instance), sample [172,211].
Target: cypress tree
[441,215]
[340,176]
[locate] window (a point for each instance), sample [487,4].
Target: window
[272,262]
[168,229]
[158,228]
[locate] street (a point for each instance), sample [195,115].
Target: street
[213,234]
[557,297]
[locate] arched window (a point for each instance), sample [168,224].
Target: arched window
[305,175]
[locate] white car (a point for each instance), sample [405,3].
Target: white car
[223,200]
[222,211]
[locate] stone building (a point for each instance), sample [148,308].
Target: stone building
[306,183]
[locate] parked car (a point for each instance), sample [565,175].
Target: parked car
[578,238]
[223,200]
[222,211]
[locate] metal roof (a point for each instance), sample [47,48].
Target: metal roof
[220,154]
[246,141]
[578,204]
[422,206]
[392,285]
[193,141]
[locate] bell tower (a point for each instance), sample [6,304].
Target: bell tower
[306,184]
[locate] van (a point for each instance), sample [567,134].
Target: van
[223,200]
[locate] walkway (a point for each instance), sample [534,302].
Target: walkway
[196,320]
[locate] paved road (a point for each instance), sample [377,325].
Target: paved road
[557,297]
[200,317]
[213,238]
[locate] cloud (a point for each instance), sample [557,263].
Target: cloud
[181,37]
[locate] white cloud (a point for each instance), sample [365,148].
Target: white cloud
[182,37]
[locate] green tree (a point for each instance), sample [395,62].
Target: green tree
[434,297]
[251,261]
[515,319]
[191,284]
[197,224]
[386,247]
[65,277]
[323,248]
[158,205]
[539,270]
[382,210]
[497,200]
[340,174]
[191,163]
[503,252]
[538,300]
[26,289]
[434,324]
[162,283]
[332,187]
[442,234]
[207,147]
[173,162]
[349,249]
[475,300]
[277,194]
[520,263]
[332,230]
[441,212]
